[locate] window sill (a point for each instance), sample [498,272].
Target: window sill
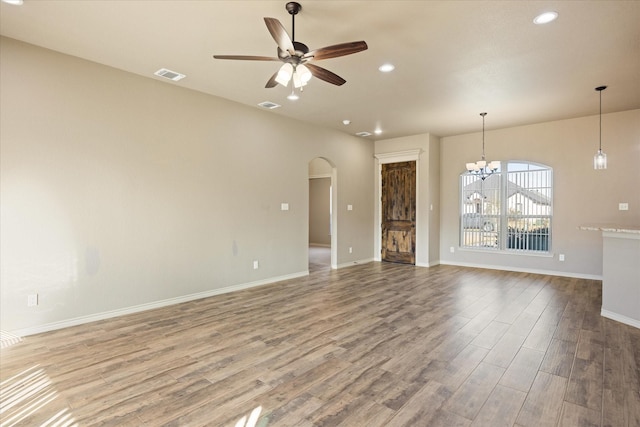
[538,254]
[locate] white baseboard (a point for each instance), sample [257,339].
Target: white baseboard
[620,318]
[352,263]
[428,264]
[150,306]
[525,270]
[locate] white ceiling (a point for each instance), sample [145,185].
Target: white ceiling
[454,59]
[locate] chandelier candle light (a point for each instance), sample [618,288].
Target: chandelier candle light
[600,159]
[483,168]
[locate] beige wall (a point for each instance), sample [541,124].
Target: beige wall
[581,194]
[120,191]
[434,200]
[319,168]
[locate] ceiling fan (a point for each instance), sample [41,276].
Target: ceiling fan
[296,55]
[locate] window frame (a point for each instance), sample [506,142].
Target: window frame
[498,236]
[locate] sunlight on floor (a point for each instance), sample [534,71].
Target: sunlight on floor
[25,394]
[7,339]
[253,418]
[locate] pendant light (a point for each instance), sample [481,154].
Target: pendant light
[600,159]
[481,167]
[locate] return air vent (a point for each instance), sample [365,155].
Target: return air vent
[363,134]
[170,75]
[269,105]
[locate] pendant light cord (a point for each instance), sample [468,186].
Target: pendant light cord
[600,89]
[600,120]
[483,114]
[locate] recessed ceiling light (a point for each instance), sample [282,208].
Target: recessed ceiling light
[13,2]
[545,18]
[385,68]
[346,122]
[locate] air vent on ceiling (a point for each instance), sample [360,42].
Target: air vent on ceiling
[168,74]
[363,134]
[268,104]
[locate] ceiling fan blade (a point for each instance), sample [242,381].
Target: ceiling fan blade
[247,57]
[272,81]
[334,51]
[326,75]
[280,35]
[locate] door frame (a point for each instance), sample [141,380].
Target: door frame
[395,157]
[334,211]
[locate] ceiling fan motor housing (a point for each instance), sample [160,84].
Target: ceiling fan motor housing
[293,7]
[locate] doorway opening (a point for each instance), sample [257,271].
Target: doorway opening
[322,215]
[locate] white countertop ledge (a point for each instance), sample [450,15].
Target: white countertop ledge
[611,228]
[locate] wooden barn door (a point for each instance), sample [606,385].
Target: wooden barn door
[399,212]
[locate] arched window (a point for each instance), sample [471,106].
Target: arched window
[510,210]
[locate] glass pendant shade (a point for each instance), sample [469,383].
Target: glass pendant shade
[600,160]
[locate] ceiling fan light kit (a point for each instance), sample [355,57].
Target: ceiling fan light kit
[297,56]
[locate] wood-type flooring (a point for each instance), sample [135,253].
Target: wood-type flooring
[375,344]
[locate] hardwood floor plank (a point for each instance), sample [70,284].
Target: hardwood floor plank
[544,402]
[422,407]
[585,384]
[523,324]
[505,350]
[576,415]
[472,394]
[370,414]
[490,335]
[613,409]
[290,413]
[559,358]
[540,336]
[454,373]
[523,369]
[501,408]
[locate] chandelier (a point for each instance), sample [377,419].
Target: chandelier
[482,168]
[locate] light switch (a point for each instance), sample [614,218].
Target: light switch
[623,206]
[349,207]
[284,206]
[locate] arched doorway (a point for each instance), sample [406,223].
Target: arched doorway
[322,216]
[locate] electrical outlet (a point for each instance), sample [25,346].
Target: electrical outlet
[349,207]
[32,300]
[452,249]
[561,257]
[350,250]
[256,264]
